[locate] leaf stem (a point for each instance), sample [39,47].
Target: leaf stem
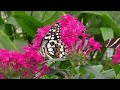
[73,67]
[16,34]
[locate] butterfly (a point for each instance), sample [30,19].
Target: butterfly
[112,43]
[52,46]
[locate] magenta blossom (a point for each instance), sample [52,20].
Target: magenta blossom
[116,56]
[41,32]
[2,76]
[71,31]
[17,62]
[28,63]
[95,45]
[71,28]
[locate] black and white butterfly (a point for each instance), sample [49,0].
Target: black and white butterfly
[112,43]
[52,46]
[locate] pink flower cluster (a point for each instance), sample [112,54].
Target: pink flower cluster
[25,64]
[71,29]
[41,32]
[116,56]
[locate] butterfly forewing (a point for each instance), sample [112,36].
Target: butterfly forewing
[52,46]
[112,43]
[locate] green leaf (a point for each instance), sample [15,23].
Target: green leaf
[98,68]
[29,19]
[65,65]
[47,17]
[87,75]
[11,20]
[115,15]
[107,33]
[30,23]
[54,17]
[56,59]
[18,12]
[1,20]
[77,76]
[42,16]
[29,12]
[44,77]
[6,42]
[95,12]
[1,45]
[93,71]
[19,43]
[82,71]
[106,20]
[74,13]
[8,29]
[116,67]
[56,72]
[111,23]
[77,68]
[50,61]
[109,74]
[26,22]
[93,31]
[2,27]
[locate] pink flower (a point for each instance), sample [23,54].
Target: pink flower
[116,56]
[71,30]
[27,63]
[94,44]
[2,76]
[41,32]
[21,62]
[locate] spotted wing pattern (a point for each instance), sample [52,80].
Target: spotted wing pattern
[52,46]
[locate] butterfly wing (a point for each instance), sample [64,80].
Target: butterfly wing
[112,43]
[52,46]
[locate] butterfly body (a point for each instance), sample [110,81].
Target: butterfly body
[52,46]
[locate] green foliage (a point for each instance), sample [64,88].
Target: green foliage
[107,33]
[5,42]
[19,27]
